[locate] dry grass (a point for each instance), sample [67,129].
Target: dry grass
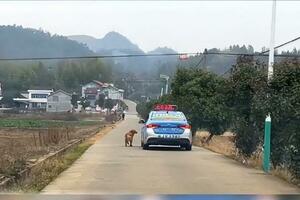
[46,172]
[219,144]
[22,147]
[283,173]
[224,144]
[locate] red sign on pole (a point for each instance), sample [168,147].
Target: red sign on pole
[183,57]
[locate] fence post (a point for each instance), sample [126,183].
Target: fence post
[267,145]
[34,139]
[40,139]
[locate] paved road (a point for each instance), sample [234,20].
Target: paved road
[110,168]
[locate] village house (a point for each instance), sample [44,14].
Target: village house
[1,92]
[59,101]
[92,90]
[1,96]
[33,99]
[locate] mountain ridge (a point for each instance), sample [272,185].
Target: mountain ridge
[114,41]
[17,41]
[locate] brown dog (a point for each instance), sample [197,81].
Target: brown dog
[129,137]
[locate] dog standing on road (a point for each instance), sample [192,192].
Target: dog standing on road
[129,137]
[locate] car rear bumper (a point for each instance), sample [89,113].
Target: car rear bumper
[166,141]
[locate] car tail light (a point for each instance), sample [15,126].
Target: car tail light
[185,126]
[151,125]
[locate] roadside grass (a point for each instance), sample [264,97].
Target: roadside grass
[224,144]
[45,172]
[283,173]
[50,169]
[30,123]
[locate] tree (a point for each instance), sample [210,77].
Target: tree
[200,95]
[74,100]
[84,102]
[247,99]
[284,104]
[101,100]
[109,104]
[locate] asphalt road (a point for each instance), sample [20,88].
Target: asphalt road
[108,167]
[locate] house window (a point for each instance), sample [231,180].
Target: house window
[42,96]
[34,105]
[43,105]
[55,98]
[91,97]
[49,106]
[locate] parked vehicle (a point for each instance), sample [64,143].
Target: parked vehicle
[166,126]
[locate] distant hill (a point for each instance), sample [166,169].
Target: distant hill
[87,40]
[112,41]
[161,50]
[16,41]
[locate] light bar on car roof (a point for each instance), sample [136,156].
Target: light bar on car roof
[165,107]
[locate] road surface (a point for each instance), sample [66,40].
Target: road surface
[108,167]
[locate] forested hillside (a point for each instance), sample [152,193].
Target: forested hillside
[67,75]
[138,76]
[17,42]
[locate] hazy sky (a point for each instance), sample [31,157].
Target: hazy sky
[181,25]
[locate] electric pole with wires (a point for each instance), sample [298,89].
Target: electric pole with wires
[267,137]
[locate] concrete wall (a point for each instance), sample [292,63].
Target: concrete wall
[59,102]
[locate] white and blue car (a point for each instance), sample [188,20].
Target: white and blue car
[166,127]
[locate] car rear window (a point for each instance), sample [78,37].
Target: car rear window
[167,116]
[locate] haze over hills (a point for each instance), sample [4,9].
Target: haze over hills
[17,42]
[20,42]
[113,43]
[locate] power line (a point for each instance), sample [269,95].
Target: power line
[143,55]
[279,55]
[199,61]
[293,40]
[252,54]
[202,58]
[95,56]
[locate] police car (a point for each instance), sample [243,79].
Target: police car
[166,126]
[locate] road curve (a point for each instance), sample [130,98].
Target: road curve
[108,167]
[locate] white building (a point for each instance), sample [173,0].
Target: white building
[1,92]
[33,99]
[59,101]
[92,90]
[112,92]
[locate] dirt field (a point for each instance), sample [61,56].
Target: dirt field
[26,138]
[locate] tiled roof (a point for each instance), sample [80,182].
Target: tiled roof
[57,91]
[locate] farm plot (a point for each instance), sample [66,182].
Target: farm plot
[24,141]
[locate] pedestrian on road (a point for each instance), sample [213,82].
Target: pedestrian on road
[123,115]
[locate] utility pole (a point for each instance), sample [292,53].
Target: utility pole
[204,54]
[167,81]
[167,85]
[267,138]
[272,41]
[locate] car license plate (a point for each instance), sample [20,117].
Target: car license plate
[168,136]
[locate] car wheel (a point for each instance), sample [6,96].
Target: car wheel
[188,147]
[145,146]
